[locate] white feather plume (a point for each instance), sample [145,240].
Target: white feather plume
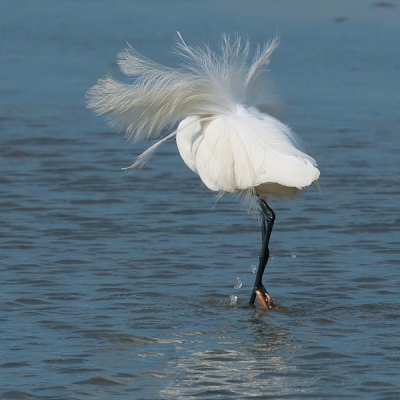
[209,83]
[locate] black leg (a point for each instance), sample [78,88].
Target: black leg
[268,218]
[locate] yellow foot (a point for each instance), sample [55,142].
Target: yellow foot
[265,299]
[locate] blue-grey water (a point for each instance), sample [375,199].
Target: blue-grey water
[117,286]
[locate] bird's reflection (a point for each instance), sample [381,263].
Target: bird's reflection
[262,365]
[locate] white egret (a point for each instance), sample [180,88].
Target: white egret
[227,133]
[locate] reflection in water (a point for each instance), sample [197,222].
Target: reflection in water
[245,368]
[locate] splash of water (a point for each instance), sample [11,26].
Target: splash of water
[233,299]
[239,284]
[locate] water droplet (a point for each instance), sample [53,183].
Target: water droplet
[253,269]
[233,299]
[239,284]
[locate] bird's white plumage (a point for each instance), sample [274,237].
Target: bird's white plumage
[223,136]
[244,149]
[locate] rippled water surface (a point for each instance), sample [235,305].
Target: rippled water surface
[117,285]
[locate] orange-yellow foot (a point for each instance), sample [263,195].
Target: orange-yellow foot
[265,299]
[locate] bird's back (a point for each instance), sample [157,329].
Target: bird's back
[244,149]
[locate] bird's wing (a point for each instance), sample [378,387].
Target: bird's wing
[243,150]
[285,159]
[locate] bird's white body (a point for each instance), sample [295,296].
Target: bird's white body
[245,149]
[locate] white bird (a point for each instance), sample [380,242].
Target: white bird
[226,133]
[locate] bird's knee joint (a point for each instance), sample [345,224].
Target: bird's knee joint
[270,216]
